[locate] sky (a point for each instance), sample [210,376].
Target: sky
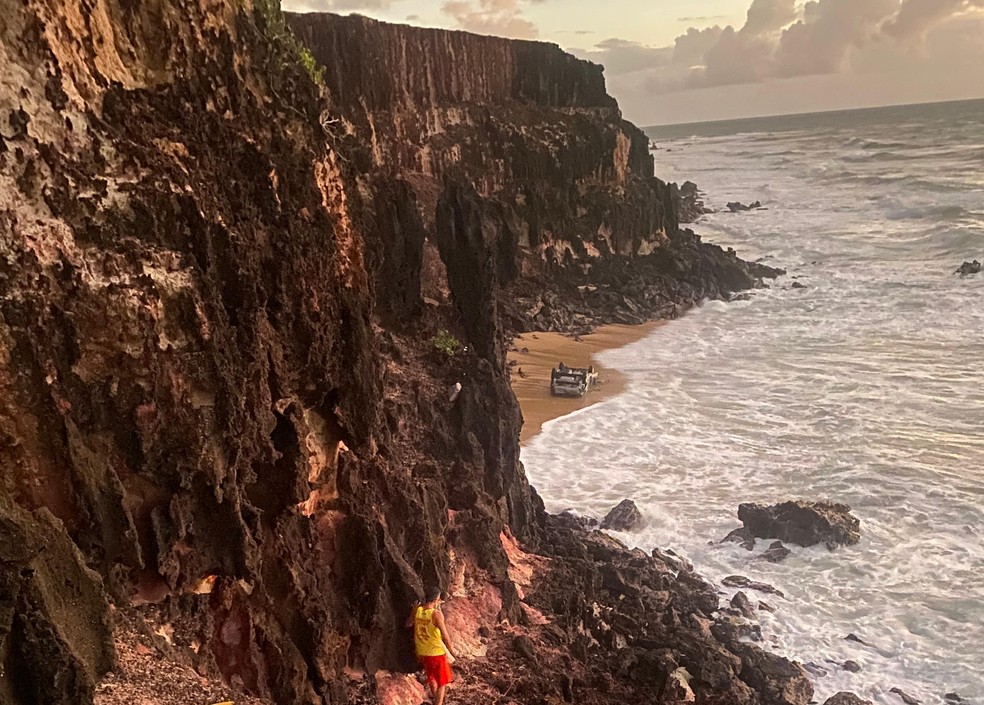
[678,61]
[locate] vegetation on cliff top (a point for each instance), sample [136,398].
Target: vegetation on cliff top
[290,50]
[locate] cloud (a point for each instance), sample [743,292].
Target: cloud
[703,20]
[691,48]
[766,16]
[823,40]
[620,56]
[499,17]
[919,16]
[782,39]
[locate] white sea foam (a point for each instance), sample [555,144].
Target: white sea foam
[865,387]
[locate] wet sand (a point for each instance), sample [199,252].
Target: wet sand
[531,373]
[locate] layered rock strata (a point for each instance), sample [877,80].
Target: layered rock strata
[221,277]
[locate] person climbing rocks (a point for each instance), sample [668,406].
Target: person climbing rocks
[432,643]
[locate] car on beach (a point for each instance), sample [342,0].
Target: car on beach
[571,381]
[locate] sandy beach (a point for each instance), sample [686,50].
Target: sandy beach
[538,353]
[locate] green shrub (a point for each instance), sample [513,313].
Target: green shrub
[285,41]
[445,343]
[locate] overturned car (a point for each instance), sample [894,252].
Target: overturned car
[571,381]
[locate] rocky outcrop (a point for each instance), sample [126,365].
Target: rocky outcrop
[802,523]
[574,227]
[222,272]
[845,698]
[968,268]
[625,516]
[639,614]
[739,207]
[54,619]
[689,204]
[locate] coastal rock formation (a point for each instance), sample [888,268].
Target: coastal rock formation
[625,516]
[906,698]
[739,207]
[650,620]
[573,227]
[776,553]
[844,698]
[802,523]
[968,268]
[225,261]
[687,198]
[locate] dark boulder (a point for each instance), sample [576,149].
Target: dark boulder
[740,581]
[906,698]
[580,521]
[742,536]
[673,561]
[744,606]
[852,666]
[802,523]
[845,698]
[776,553]
[624,517]
[969,268]
[738,207]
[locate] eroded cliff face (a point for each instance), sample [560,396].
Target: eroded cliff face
[577,227]
[219,284]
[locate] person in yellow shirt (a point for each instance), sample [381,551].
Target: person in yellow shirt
[432,643]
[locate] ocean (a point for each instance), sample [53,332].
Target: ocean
[866,386]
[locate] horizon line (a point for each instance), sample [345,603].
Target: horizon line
[813,112]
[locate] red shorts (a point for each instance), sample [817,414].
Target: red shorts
[437,668]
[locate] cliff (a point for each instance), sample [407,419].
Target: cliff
[222,415]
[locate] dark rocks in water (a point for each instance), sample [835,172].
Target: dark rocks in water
[741,603]
[856,639]
[968,268]
[953,698]
[578,520]
[624,517]
[779,682]
[776,553]
[677,563]
[798,285]
[738,207]
[845,698]
[802,523]
[816,669]
[741,536]
[852,666]
[906,698]
[688,202]
[740,581]
[736,626]
[649,621]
